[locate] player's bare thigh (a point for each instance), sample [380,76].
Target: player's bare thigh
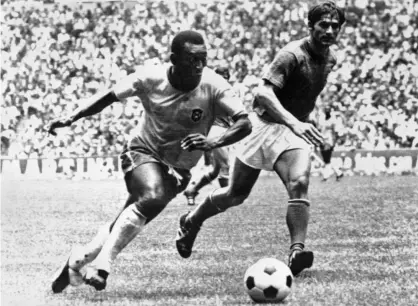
[243,178]
[151,180]
[293,168]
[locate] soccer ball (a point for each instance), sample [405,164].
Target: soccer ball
[268,281]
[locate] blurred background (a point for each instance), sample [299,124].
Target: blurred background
[55,53]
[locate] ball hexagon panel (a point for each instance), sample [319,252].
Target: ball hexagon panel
[257,295]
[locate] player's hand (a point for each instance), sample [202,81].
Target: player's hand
[309,133]
[196,142]
[59,123]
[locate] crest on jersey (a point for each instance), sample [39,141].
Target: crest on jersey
[197,114]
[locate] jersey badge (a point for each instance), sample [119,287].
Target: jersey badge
[197,114]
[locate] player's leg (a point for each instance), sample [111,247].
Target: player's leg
[153,189]
[221,161]
[89,252]
[223,181]
[338,173]
[293,167]
[201,178]
[242,181]
[326,157]
[70,271]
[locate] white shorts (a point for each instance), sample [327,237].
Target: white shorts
[267,141]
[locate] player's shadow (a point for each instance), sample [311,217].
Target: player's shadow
[338,275]
[158,293]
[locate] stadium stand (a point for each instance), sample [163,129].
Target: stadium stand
[55,54]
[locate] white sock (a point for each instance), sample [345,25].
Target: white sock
[127,226]
[325,172]
[336,170]
[82,255]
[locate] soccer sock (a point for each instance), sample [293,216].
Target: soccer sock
[337,171]
[297,219]
[203,180]
[326,172]
[127,226]
[207,208]
[82,255]
[223,181]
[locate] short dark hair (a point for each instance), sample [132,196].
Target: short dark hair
[315,13]
[189,36]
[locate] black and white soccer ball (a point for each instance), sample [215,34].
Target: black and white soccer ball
[268,281]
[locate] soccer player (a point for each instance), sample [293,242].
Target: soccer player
[327,127]
[180,102]
[281,139]
[216,161]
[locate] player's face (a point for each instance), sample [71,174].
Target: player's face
[192,60]
[325,30]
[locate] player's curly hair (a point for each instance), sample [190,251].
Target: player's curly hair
[327,7]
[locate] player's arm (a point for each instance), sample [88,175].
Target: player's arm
[96,103]
[267,99]
[92,106]
[237,131]
[281,69]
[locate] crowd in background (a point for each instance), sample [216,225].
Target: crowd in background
[54,56]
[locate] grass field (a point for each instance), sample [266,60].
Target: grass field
[364,232]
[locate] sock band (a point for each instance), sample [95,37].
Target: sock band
[297,246]
[136,211]
[299,201]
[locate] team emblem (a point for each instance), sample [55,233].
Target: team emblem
[197,114]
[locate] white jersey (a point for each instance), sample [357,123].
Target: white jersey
[170,114]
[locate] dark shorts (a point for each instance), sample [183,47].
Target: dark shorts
[326,152]
[136,153]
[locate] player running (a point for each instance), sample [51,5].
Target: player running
[281,138]
[216,161]
[181,102]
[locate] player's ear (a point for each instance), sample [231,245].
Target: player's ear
[173,58]
[310,25]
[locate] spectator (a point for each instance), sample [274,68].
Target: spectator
[85,48]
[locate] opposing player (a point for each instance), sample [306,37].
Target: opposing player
[281,138]
[328,130]
[180,102]
[216,162]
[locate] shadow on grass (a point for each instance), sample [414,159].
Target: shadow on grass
[338,275]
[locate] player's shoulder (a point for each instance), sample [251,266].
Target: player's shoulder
[212,79]
[152,71]
[292,51]
[295,47]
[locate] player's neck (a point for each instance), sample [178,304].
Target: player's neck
[317,48]
[179,82]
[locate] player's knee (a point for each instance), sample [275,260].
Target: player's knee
[237,197]
[151,203]
[298,186]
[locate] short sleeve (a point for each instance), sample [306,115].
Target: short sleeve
[280,69]
[228,104]
[128,86]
